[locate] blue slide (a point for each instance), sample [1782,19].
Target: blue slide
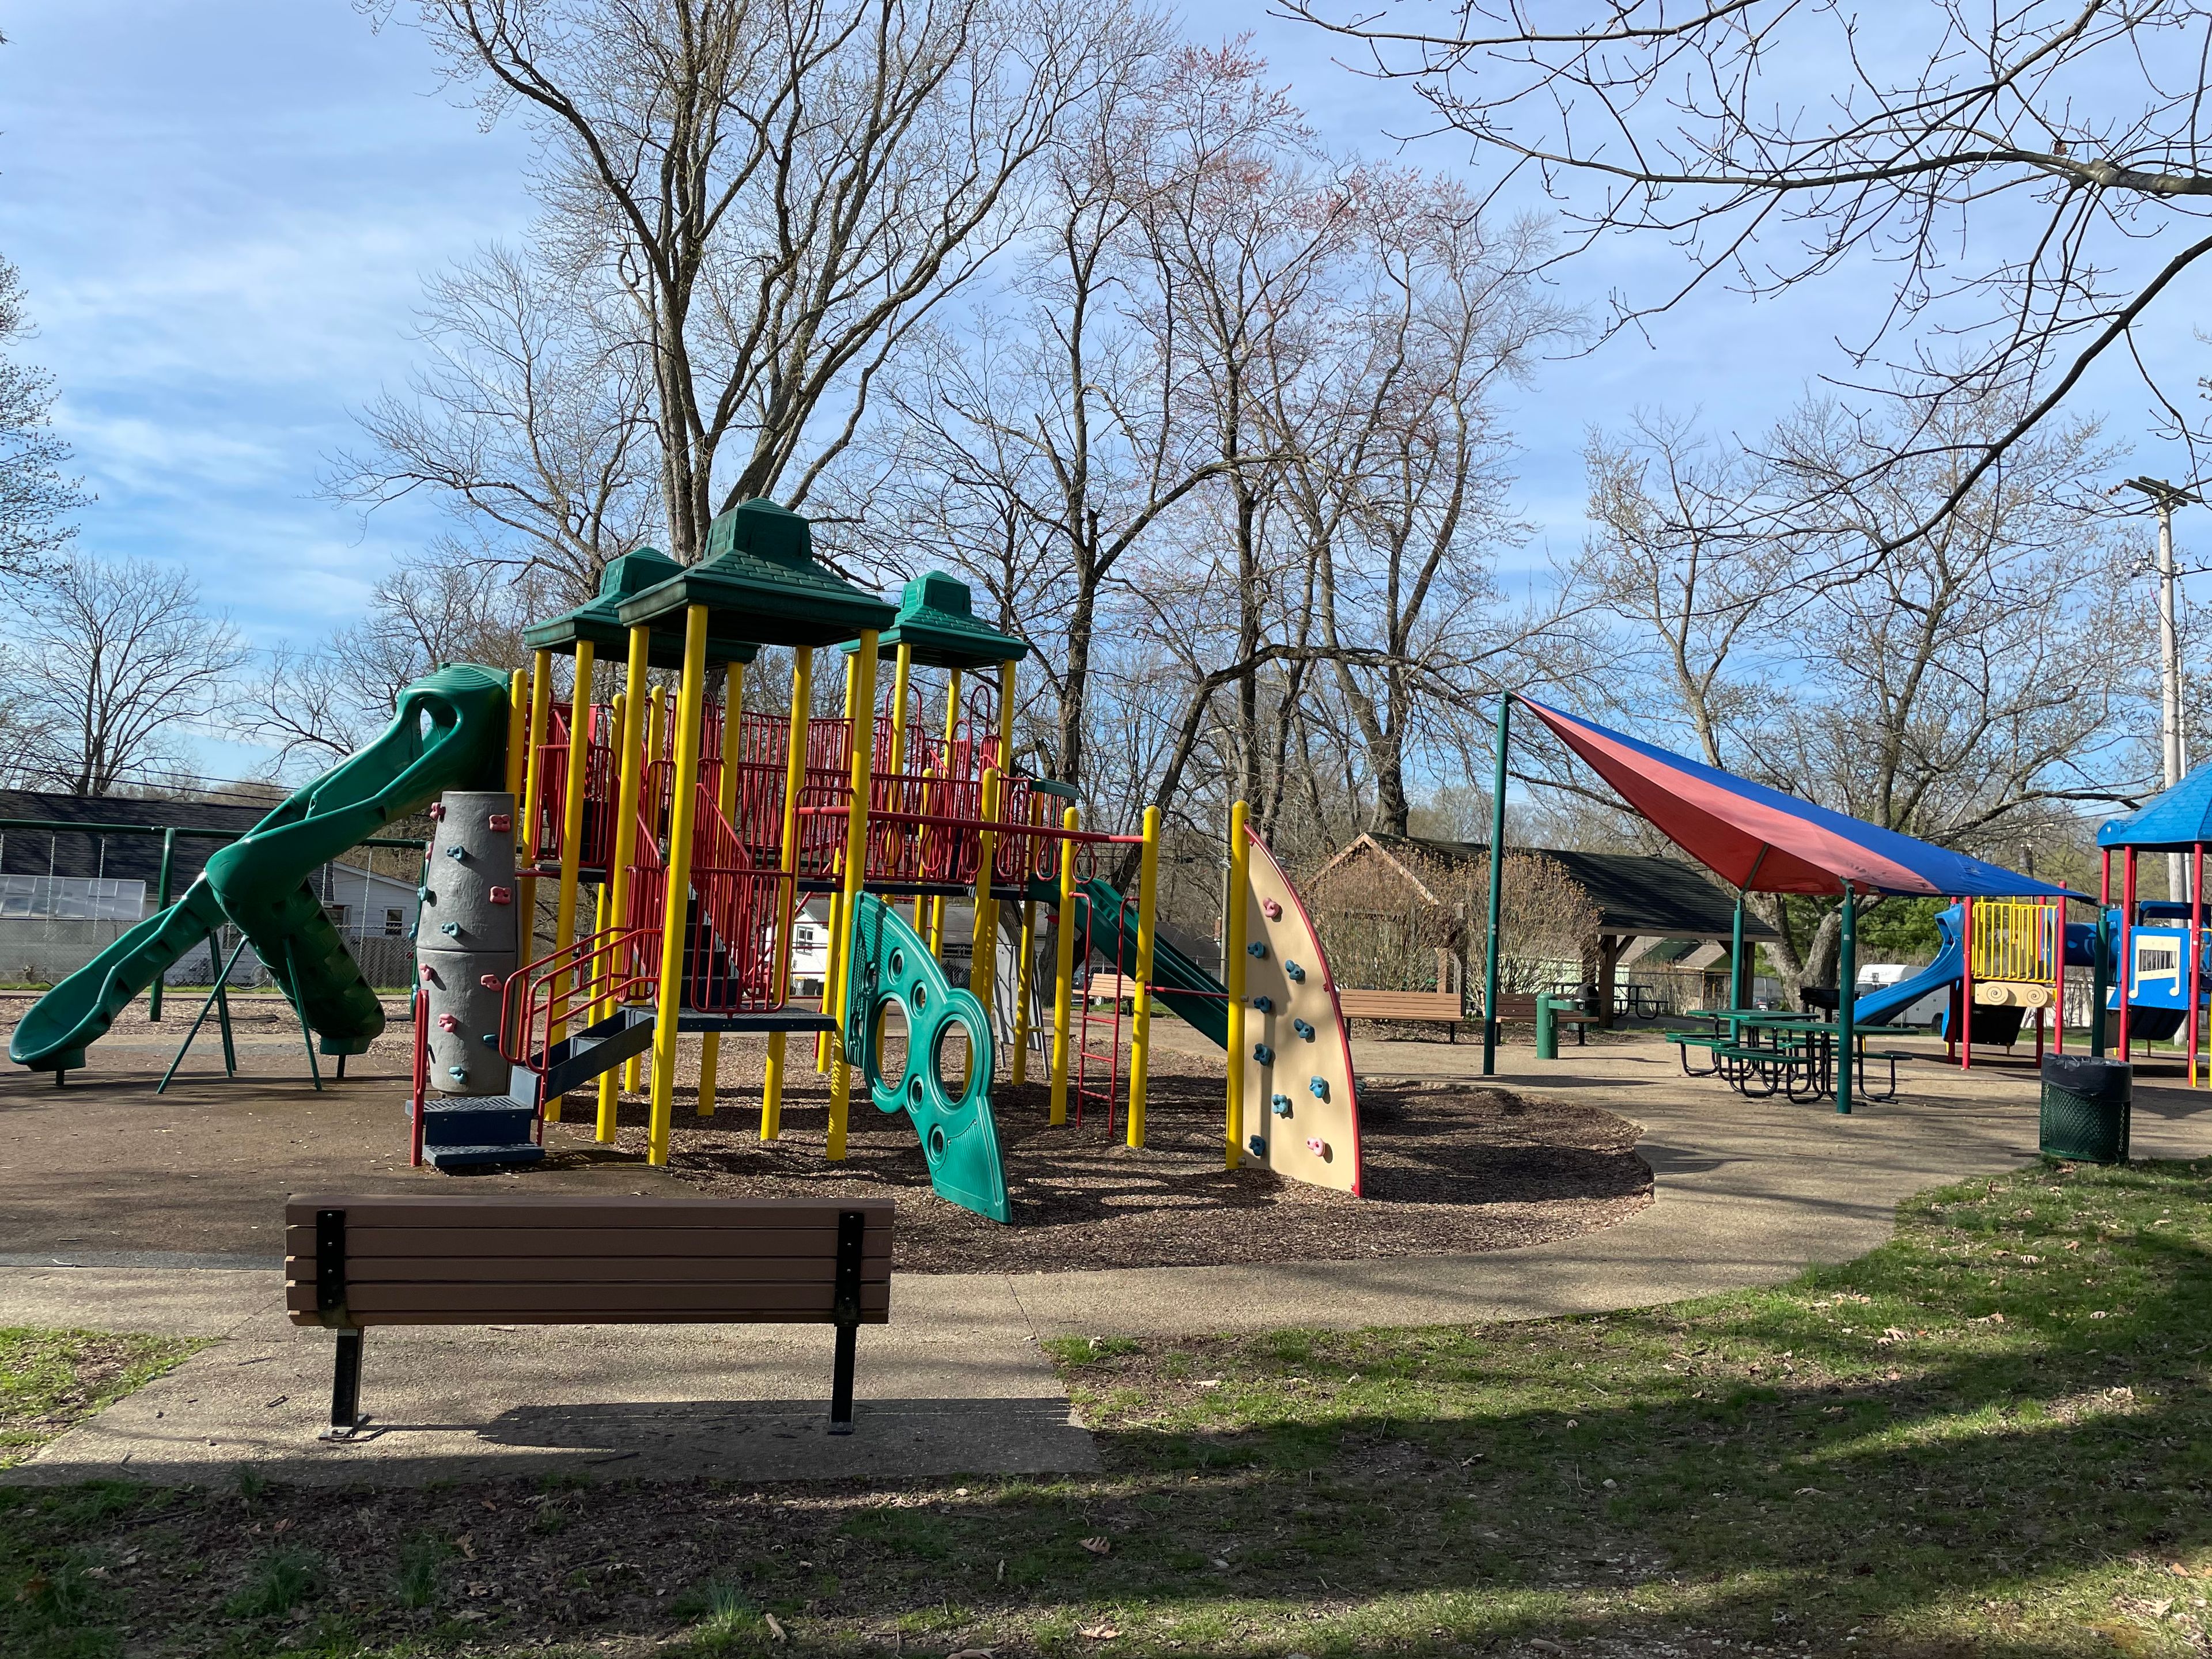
[1878,1007]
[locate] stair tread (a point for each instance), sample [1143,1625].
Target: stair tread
[523,1152]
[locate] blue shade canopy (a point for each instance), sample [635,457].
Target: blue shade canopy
[1764,842]
[2179,818]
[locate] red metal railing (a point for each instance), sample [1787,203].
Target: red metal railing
[560,987]
[544,845]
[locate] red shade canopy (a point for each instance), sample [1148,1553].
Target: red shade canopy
[1764,842]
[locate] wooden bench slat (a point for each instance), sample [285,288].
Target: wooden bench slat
[490,1302]
[600,1316]
[500,1212]
[813,1269]
[1400,1005]
[367,1241]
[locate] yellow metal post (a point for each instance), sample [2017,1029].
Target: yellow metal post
[630,769]
[1023,978]
[518,730]
[983,936]
[856,871]
[794,780]
[1006,717]
[725,799]
[1232,975]
[533,788]
[634,1067]
[901,668]
[682,816]
[1063,975]
[572,839]
[1140,1025]
[951,730]
[822,1042]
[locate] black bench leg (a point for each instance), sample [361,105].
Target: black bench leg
[840,1379]
[346,1388]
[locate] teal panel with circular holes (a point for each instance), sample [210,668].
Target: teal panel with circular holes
[891,965]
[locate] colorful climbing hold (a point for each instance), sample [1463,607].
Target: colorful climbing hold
[1303,1030]
[1258,947]
[1318,1148]
[1319,1087]
[500,824]
[1258,1145]
[448,1022]
[451,927]
[1274,910]
[502,896]
[490,982]
[1282,1105]
[1295,972]
[1263,1054]
[458,852]
[1264,1005]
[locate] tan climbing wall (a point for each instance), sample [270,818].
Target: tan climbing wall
[1318,1139]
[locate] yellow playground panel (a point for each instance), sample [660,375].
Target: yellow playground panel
[2015,953]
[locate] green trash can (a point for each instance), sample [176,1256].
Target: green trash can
[2086,1103]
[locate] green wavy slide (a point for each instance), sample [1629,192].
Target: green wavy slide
[449,732]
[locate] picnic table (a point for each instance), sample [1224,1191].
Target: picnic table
[1768,1051]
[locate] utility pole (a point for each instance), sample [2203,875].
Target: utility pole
[2164,498]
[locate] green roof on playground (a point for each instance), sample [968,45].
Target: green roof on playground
[760,582]
[936,620]
[598,619]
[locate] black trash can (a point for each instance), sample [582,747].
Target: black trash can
[2085,1108]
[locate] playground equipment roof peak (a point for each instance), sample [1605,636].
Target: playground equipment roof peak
[936,622]
[2179,818]
[598,619]
[760,582]
[1764,842]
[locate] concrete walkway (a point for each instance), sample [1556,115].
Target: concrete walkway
[1747,1193]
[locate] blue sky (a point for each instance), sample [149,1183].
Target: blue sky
[223,212]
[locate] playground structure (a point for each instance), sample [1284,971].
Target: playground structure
[2164,954]
[681,831]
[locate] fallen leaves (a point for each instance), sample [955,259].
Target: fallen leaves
[1099,1545]
[1098,1632]
[775,1627]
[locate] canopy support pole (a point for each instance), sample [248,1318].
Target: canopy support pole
[1966,984]
[2101,955]
[2196,949]
[2127,948]
[1847,1003]
[1497,889]
[1740,982]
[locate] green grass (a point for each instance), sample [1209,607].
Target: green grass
[1991,1437]
[51,1379]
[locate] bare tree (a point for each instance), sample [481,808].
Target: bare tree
[1397,461]
[531,423]
[1968,689]
[780,190]
[35,495]
[119,660]
[433,609]
[2028,182]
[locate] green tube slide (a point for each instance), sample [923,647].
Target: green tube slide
[449,732]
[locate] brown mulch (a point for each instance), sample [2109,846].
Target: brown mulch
[1447,1169]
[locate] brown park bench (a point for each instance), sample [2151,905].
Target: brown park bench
[350,1263]
[1436,1007]
[1523,1008]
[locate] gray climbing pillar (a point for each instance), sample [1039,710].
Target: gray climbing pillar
[467,940]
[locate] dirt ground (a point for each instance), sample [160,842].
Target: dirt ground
[104,1164]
